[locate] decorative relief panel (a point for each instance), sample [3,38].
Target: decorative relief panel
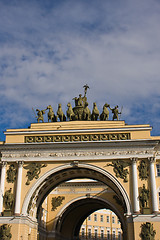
[143,170]
[119,169]
[5,232]
[77,138]
[73,154]
[147,231]
[56,202]
[34,169]
[11,173]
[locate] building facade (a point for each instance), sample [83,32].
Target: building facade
[102,224]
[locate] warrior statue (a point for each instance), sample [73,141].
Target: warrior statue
[144,197]
[8,199]
[115,112]
[40,114]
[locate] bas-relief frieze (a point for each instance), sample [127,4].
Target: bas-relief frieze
[77,138]
[50,155]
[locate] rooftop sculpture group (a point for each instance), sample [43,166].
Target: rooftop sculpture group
[80,112]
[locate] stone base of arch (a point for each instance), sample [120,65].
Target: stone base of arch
[22,227]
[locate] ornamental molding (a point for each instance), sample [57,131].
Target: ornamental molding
[19,219]
[152,159]
[77,138]
[76,154]
[3,164]
[146,218]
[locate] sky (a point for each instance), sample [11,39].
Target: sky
[49,49]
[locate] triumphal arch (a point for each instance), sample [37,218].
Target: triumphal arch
[79,144]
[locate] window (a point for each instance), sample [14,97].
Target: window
[83,231]
[107,219]
[158,169]
[108,235]
[119,235]
[95,217]
[114,235]
[89,233]
[95,233]
[101,218]
[113,219]
[102,233]
[89,218]
[159,198]
[118,221]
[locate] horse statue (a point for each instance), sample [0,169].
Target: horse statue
[86,113]
[95,112]
[105,114]
[70,113]
[51,116]
[60,113]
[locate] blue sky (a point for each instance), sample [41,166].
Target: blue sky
[49,49]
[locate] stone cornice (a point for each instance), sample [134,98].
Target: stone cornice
[149,143]
[125,149]
[124,129]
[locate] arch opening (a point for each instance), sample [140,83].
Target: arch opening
[54,177]
[78,211]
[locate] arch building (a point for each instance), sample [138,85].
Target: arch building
[125,159]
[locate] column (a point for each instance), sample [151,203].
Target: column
[153,185]
[18,189]
[136,208]
[2,182]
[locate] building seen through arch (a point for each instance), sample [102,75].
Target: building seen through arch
[101,224]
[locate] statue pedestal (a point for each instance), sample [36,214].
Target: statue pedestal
[146,210]
[7,213]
